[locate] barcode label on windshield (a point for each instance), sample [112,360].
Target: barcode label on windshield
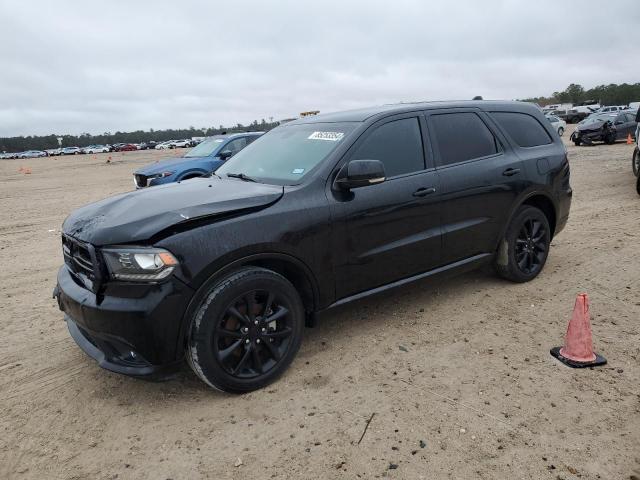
[331,136]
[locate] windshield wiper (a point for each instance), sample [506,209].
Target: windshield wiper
[242,176]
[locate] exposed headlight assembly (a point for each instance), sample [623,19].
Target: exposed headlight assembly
[139,264]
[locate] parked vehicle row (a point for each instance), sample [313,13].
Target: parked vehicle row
[575,114]
[92,149]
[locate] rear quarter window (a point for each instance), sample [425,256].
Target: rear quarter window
[523,128]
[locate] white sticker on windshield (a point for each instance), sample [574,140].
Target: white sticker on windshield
[297,171]
[331,136]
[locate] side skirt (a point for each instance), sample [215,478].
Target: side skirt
[453,268]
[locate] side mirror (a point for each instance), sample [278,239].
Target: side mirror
[225,154]
[360,173]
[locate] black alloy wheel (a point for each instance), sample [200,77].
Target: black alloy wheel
[246,330]
[531,246]
[253,334]
[524,249]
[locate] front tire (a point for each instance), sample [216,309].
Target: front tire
[560,131]
[610,138]
[246,331]
[635,162]
[523,251]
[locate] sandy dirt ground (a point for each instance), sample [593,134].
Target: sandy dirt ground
[456,374]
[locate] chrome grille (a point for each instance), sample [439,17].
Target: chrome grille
[79,259]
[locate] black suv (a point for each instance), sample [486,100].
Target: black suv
[226,270]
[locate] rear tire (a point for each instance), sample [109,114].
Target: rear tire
[246,330]
[561,131]
[577,142]
[635,162]
[524,249]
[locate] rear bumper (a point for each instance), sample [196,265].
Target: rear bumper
[131,329]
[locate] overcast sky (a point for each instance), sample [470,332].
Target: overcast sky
[96,66]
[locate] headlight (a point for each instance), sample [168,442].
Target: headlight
[139,264]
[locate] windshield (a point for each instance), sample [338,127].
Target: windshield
[206,148]
[288,153]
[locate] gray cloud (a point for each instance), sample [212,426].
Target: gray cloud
[73,66]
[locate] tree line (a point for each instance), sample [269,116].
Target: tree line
[611,94]
[44,142]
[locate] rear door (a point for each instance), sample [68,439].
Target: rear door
[480,178]
[391,230]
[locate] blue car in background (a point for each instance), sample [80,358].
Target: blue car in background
[197,162]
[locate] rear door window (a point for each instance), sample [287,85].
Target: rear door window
[462,136]
[397,144]
[523,129]
[234,146]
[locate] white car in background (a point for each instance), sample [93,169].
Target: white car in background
[182,143]
[32,154]
[96,149]
[611,109]
[557,123]
[54,152]
[165,145]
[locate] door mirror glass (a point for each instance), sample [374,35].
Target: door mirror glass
[360,173]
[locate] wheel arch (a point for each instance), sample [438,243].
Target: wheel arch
[540,200]
[193,173]
[546,205]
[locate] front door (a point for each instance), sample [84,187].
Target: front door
[391,230]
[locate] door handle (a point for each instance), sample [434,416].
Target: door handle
[510,172]
[424,191]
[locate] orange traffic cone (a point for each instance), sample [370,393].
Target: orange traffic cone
[629,139]
[578,344]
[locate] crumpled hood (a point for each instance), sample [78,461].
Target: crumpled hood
[597,125]
[136,216]
[170,164]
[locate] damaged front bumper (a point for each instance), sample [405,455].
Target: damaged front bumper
[128,329]
[587,137]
